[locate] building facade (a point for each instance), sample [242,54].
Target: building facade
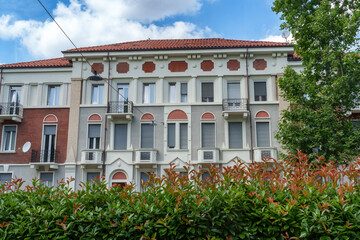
[193,101]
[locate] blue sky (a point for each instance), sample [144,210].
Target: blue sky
[27,33]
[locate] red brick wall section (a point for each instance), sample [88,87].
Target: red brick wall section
[207,65]
[178,66]
[207,116]
[233,65]
[122,67]
[31,130]
[148,67]
[50,118]
[259,64]
[262,114]
[147,117]
[95,117]
[119,176]
[177,115]
[98,67]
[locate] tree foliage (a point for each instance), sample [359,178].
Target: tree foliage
[325,33]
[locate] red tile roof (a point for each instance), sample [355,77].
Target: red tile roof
[48,63]
[179,44]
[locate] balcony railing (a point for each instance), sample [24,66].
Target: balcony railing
[120,107]
[92,156]
[44,156]
[11,109]
[235,104]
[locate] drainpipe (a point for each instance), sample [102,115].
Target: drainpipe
[1,78]
[105,132]
[248,104]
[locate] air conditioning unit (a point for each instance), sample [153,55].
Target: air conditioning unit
[145,156]
[208,155]
[266,154]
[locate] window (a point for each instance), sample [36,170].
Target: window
[260,91]
[5,177]
[171,135]
[93,176]
[14,99]
[147,135]
[53,95]
[9,139]
[149,93]
[233,90]
[120,137]
[48,146]
[208,135]
[46,178]
[144,178]
[177,135]
[94,136]
[184,92]
[97,94]
[262,134]
[207,92]
[235,135]
[123,90]
[172,92]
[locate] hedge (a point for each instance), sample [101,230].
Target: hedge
[286,200]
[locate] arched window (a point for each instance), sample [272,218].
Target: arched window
[147,131]
[262,119]
[119,179]
[208,130]
[177,126]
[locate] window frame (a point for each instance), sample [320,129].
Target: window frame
[144,84]
[91,171]
[43,138]
[263,120]
[266,90]
[88,138]
[141,133]
[100,101]
[3,135]
[172,98]
[243,134]
[213,92]
[177,146]
[201,140]
[128,130]
[119,181]
[187,92]
[56,96]
[53,177]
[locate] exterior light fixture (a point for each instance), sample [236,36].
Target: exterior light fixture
[95,77]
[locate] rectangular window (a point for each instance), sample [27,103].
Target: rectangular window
[184,92]
[97,94]
[9,139]
[207,92]
[208,135]
[149,93]
[120,137]
[94,136]
[233,90]
[48,147]
[144,178]
[53,95]
[123,90]
[172,92]
[260,91]
[183,136]
[93,176]
[46,179]
[262,134]
[14,99]
[5,177]
[147,136]
[235,135]
[171,135]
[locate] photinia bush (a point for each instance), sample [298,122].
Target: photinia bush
[289,199]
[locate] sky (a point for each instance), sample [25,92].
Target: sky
[27,33]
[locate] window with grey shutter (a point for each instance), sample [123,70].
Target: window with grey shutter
[260,91]
[5,177]
[183,136]
[47,179]
[262,134]
[93,176]
[171,135]
[208,135]
[120,137]
[94,136]
[235,135]
[207,92]
[184,92]
[233,90]
[147,136]
[144,178]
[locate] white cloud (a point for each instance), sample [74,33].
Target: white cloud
[276,38]
[93,22]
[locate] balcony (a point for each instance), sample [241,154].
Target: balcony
[145,156]
[235,108]
[91,157]
[11,111]
[120,110]
[356,109]
[261,153]
[44,158]
[210,155]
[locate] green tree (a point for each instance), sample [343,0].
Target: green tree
[325,34]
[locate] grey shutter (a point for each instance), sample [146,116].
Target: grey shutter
[233,90]
[10,128]
[48,177]
[49,130]
[147,136]
[260,91]
[92,176]
[120,137]
[235,135]
[5,177]
[171,135]
[184,89]
[208,135]
[183,136]
[263,134]
[94,131]
[207,90]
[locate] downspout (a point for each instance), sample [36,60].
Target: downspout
[105,132]
[1,78]
[248,106]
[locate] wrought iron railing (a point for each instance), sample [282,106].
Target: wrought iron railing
[235,104]
[120,107]
[11,108]
[44,156]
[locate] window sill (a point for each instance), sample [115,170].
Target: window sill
[177,150]
[263,102]
[94,105]
[6,152]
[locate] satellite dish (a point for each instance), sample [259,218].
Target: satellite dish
[26,147]
[285,34]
